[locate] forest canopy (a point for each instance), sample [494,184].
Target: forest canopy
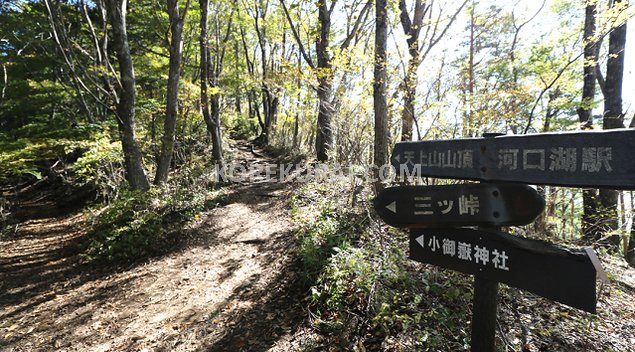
[122,122]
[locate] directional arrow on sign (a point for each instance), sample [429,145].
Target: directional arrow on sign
[420,241]
[482,204]
[561,274]
[578,159]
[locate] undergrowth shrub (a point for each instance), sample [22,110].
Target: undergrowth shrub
[137,225]
[327,226]
[25,152]
[5,213]
[99,167]
[364,289]
[242,125]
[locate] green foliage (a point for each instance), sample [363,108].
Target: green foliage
[243,126]
[100,166]
[362,277]
[136,225]
[329,230]
[31,147]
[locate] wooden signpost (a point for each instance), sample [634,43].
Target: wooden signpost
[482,204]
[563,275]
[577,159]
[435,214]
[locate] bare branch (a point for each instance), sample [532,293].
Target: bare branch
[600,79]
[306,57]
[360,18]
[551,84]
[433,40]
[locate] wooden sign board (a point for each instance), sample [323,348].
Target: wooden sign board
[477,204]
[563,275]
[577,159]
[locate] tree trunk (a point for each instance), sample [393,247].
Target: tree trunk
[135,173]
[410,91]
[379,88]
[174,74]
[613,118]
[296,128]
[590,228]
[591,50]
[5,82]
[630,252]
[217,140]
[212,121]
[324,137]
[412,28]
[469,97]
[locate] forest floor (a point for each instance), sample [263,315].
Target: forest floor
[235,285]
[232,287]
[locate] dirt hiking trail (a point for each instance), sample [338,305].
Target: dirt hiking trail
[232,287]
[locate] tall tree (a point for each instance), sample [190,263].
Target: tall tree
[412,28]
[613,116]
[270,98]
[324,67]
[379,87]
[176,54]
[135,173]
[630,247]
[5,81]
[418,51]
[212,121]
[591,50]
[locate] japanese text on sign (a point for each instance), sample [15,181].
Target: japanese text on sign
[466,205]
[567,159]
[478,254]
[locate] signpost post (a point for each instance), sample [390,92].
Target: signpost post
[438,215]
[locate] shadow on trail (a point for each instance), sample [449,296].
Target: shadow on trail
[50,300]
[40,262]
[277,311]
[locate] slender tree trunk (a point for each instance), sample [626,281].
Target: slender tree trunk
[379,88]
[296,128]
[135,173]
[590,228]
[630,250]
[217,141]
[296,122]
[470,85]
[61,39]
[613,118]
[212,121]
[410,91]
[590,57]
[5,82]
[324,136]
[412,29]
[174,74]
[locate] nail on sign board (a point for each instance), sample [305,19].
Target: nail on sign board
[578,159]
[563,275]
[482,204]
